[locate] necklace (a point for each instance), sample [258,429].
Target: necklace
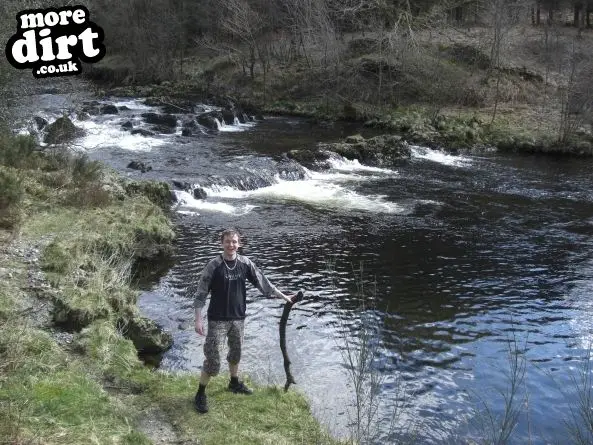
[227,266]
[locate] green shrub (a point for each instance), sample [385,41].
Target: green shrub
[11,199]
[88,195]
[158,192]
[55,258]
[19,151]
[85,170]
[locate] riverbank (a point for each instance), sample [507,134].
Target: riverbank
[444,92]
[73,238]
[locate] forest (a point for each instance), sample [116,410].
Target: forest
[506,62]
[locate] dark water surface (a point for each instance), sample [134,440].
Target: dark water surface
[462,259]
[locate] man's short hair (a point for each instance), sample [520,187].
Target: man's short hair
[230,232]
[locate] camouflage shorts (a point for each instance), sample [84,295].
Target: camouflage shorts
[217,330]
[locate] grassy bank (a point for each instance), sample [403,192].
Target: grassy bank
[72,234]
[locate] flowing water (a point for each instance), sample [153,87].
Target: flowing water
[465,262]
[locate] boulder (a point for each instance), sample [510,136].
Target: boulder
[139,165]
[167,120]
[40,122]
[148,337]
[92,107]
[62,130]
[208,121]
[310,158]
[189,123]
[109,109]
[73,315]
[142,132]
[383,150]
[354,139]
[186,132]
[228,117]
[181,185]
[164,129]
[128,125]
[199,193]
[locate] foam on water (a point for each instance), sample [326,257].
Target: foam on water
[238,126]
[342,164]
[440,157]
[106,133]
[134,104]
[318,192]
[188,204]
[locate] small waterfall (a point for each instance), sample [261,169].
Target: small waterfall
[257,179]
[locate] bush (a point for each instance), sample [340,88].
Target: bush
[11,199]
[158,192]
[55,258]
[19,151]
[85,170]
[91,195]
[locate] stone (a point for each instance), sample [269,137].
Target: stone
[40,122]
[228,117]
[163,129]
[61,131]
[109,109]
[139,165]
[148,337]
[208,121]
[354,139]
[167,120]
[199,193]
[142,132]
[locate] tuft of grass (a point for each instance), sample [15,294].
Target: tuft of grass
[11,198]
[112,354]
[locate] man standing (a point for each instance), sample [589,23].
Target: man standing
[224,277]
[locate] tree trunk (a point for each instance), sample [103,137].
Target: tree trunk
[252,63]
[459,14]
[536,14]
[576,10]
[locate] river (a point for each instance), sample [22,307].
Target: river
[466,264]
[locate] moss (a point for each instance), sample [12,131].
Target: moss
[158,193]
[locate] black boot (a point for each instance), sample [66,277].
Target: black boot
[201,402]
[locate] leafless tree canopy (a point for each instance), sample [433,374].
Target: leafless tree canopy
[377,52]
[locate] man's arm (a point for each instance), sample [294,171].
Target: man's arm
[201,294]
[199,322]
[259,280]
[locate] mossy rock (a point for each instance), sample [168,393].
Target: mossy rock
[148,337]
[78,310]
[165,120]
[309,158]
[382,150]
[61,131]
[158,192]
[354,139]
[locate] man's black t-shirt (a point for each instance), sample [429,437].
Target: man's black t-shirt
[226,282]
